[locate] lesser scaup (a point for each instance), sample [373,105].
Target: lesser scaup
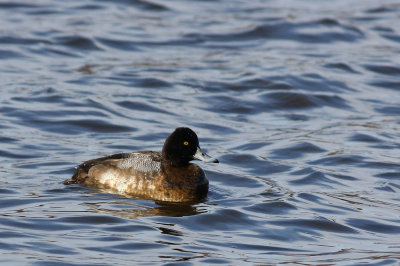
[164,176]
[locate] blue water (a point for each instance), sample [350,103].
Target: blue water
[299,100]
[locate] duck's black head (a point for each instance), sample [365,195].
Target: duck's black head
[182,146]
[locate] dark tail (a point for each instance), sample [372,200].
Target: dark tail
[81,173]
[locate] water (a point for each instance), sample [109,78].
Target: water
[299,100]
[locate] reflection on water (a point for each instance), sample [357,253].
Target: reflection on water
[298,99]
[130,210]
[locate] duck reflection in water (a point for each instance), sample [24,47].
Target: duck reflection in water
[129,210]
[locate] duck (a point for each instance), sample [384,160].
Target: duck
[168,175]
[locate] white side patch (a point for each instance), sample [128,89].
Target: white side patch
[108,178]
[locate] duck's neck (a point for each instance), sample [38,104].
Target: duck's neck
[174,162]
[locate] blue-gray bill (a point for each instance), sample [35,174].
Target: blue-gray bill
[202,156]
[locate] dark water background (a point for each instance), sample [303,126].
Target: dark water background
[300,101]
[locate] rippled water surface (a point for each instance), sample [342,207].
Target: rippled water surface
[299,100]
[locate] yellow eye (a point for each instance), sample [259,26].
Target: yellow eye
[186,143]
